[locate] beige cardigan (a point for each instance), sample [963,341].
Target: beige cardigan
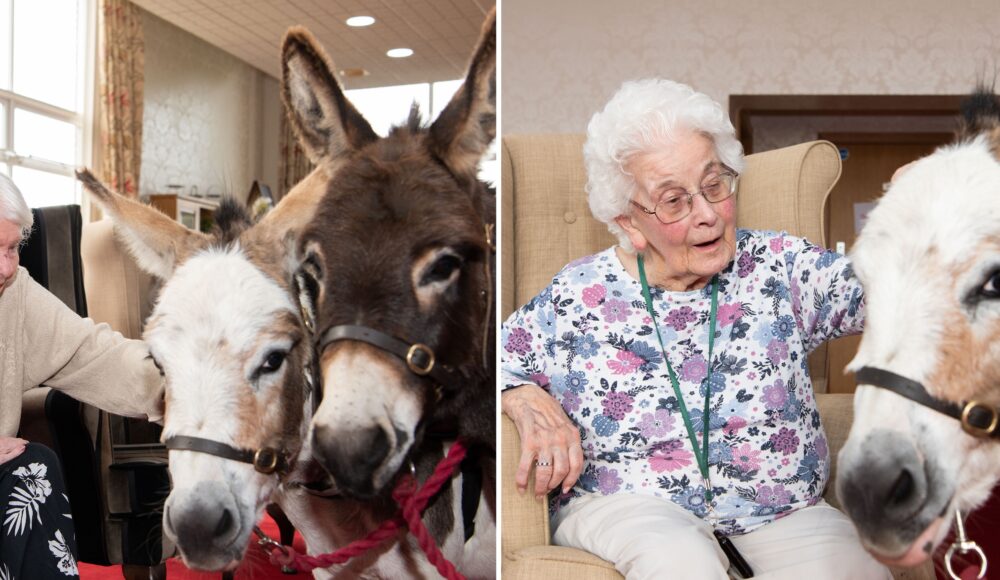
[42,341]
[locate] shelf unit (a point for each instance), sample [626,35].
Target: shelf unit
[197,213]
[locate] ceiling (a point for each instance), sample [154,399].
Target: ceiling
[442,33]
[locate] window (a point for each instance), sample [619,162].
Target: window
[42,86]
[385,107]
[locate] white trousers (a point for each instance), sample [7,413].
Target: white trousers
[651,537]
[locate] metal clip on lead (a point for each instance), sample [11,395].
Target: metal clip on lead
[267,544]
[963,545]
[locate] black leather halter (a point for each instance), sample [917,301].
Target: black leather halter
[978,419]
[419,357]
[266,460]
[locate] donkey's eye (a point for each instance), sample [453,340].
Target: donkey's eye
[441,269]
[273,362]
[991,289]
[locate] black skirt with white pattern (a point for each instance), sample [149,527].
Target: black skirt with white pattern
[36,528]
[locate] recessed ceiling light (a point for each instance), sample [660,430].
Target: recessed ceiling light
[359,21]
[399,52]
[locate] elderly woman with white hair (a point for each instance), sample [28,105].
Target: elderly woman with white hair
[42,341]
[662,384]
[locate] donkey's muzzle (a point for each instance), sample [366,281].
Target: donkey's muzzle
[352,458]
[205,522]
[883,487]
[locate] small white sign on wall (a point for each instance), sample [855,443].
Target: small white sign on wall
[861,214]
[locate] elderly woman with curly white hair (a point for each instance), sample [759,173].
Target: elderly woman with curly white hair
[662,384]
[44,342]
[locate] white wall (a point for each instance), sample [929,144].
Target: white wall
[210,120]
[563,59]
[269,148]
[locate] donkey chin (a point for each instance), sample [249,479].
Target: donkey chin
[210,523]
[366,425]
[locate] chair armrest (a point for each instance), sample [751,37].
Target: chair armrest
[524,519]
[837,413]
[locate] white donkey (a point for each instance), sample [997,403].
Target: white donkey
[923,443]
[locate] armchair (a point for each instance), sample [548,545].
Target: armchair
[547,223]
[114,467]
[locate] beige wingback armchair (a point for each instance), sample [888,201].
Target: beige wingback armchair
[547,223]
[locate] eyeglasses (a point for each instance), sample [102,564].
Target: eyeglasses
[676,204]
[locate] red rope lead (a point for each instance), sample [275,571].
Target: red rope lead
[412,502]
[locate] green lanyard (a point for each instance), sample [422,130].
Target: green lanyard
[701,456]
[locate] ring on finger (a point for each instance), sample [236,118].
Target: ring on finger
[541,463]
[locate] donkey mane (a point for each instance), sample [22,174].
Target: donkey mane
[414,122]
[980,113]
[231,219]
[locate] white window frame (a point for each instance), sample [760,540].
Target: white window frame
[14,100]
[488,166]
[86,65]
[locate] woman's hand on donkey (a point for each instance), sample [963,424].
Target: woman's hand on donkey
[550,442]
[11,447]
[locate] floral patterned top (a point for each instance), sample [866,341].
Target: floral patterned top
[589,341]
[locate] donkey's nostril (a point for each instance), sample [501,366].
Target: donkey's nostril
[902,489]
[225,522]
[352,461]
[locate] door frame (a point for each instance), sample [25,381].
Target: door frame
[743,109]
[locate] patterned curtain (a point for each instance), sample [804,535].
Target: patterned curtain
[121,54]
[295,165]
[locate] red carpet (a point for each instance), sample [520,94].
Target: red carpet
[255,565]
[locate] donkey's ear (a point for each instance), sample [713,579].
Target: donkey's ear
[327,124]
[310,271]
[467,126]
[157,242]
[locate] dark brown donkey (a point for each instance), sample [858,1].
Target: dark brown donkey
[401,252]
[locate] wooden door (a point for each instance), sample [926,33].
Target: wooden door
[869,160]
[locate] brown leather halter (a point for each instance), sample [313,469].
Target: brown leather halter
[978,419]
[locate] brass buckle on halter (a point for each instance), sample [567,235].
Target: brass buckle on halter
[973,429]
[265,460]
[418,347]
